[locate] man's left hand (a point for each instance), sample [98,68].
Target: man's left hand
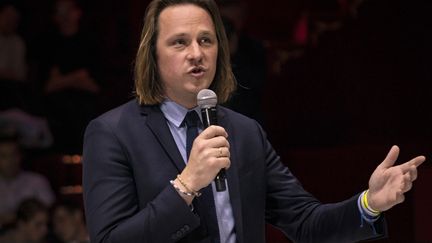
[388,183]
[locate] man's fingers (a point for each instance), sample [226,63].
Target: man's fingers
[400,198]
[406,184]
[222,152]
[217,142]
[412,164]
[391,157]
[213,131]
[417,161]
[414,175]
[226,162]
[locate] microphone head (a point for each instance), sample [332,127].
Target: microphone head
[206,98]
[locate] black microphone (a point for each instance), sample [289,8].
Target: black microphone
[207,100]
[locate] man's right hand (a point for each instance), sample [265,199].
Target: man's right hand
[209,154]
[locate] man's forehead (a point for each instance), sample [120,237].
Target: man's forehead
[182,16]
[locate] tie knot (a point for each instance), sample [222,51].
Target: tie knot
[191,119]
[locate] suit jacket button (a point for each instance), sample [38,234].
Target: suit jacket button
[186,228]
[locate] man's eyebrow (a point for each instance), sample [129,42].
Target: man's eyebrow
[178,35]
[207,32]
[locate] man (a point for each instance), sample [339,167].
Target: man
[68,223]
[69,76]
[16,184]
[14,90]
[31,223]
[141,183]
[13,65]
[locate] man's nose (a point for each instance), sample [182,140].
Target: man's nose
[195,52]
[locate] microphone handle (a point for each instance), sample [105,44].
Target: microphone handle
[209,117]
[220,181]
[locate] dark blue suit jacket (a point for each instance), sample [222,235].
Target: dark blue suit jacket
[130,156]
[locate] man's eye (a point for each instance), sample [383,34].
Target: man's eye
[206,41]
[179,42]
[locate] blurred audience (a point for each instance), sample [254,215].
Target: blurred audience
[12,46]
[69,224]
[248,60]
[69,76]
[17,185]
[13,61]
[33,131]
[31,224]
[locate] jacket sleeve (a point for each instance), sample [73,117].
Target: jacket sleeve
[305,219]
[111,202]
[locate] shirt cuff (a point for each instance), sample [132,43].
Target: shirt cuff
[365,214]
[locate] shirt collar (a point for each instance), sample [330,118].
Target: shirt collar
[176,113]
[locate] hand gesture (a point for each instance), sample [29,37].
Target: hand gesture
[388,183]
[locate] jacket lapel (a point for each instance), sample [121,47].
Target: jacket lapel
[157,124]
[233,178]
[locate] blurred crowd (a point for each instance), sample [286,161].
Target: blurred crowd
[48,94]
[30,210]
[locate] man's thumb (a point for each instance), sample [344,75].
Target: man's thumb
[391,157]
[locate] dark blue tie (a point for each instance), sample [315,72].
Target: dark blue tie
[205,203]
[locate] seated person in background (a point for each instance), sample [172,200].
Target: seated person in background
[68,223]
[13,63]
[12,47]
[69,52]
[16,184]
[31,223]
[68,75]
[248,61]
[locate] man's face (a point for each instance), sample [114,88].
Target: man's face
[65,224]
[67,14]
[36,228]
[186,51]
[9,19]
